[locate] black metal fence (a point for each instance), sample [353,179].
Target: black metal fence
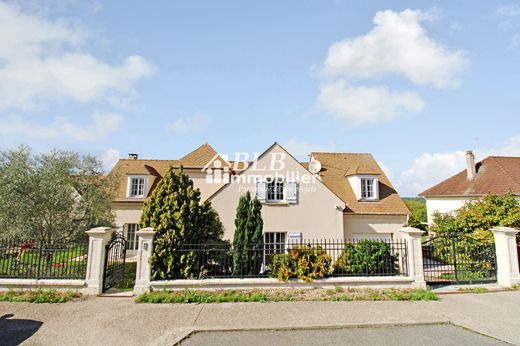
[340,258]
[458,260]
[37,260]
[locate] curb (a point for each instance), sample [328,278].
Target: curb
[187,334]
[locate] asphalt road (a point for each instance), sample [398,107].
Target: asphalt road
[400,335]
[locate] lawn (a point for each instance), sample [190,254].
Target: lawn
[63,262]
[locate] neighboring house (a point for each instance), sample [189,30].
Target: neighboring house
[349,198]
[495,174]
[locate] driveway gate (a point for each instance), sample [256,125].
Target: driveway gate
[114,272]
[458,260]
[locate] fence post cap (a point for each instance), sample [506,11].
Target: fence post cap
[412,231]
[99,231]
[150,231]
[504,230]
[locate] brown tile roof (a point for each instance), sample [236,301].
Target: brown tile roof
[495,174]
[195,160]
[334,171]
[200,157]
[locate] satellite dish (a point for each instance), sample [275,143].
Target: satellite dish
[314,166]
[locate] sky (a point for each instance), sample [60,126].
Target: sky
[415,84]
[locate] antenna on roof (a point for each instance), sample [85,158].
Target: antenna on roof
[314,166]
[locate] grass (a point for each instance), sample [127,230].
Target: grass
[39,296]
[129,280]
[277,295]
[473,289]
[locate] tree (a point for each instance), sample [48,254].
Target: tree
[248,242]
[52,197]
[418,216]
[175,212]
[476,218]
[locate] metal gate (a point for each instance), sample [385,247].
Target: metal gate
[114,272]
[458,260]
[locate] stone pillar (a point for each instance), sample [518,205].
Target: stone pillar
[412,236]
[507,256]
[142,277]
[98,239]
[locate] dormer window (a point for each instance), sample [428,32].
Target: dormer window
[136,186]
[367,188]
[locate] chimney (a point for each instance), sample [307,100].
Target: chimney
[133,156]
[470,165]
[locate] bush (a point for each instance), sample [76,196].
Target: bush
[367,257]
[175,211]
[303,262]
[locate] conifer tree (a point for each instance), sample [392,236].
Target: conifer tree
[175,212]
[248,241]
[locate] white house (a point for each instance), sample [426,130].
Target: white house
[495,174]
[342,196]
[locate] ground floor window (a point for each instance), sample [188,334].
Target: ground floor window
[274,242]
[131,236]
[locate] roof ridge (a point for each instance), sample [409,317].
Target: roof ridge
[338,153]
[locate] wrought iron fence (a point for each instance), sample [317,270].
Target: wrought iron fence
[341,257]
[458,259]
[38,260]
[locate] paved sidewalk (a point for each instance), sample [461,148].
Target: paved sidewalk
[106,321]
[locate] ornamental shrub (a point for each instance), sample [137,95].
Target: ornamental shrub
[367,257]
[302,262]
[175,212]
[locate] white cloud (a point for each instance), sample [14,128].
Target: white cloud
[432,168]
[102,124]
[508,10]
[196,123]
[397,45]
[367,104]
[43,61]
[110,158]
[301,149]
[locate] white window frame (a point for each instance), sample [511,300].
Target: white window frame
[129,186]
[278,197]
[375,188]
[131,236]
[276,245]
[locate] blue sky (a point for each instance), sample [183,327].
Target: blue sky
[414,83]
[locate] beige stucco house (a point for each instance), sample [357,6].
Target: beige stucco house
[333,196]
[495,174]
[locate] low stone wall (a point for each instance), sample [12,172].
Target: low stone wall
[34,284]
[250,283]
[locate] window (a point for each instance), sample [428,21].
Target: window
[367,188]
[131,236]
[136,187]
[274,243]
[275,191]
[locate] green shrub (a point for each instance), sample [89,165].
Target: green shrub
[367,257]
[303,262]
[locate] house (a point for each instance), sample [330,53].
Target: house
[333,196]
[495,174]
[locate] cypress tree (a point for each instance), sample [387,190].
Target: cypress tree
[248,239]
[239,238]
[175,212]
